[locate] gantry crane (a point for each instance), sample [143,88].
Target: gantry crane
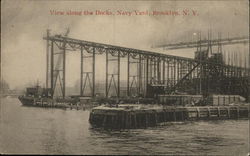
[203,43]
[208,43]
[205,54]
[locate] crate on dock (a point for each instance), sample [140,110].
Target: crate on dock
[179,100]
[220,100]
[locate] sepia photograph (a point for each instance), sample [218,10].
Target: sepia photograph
[143,77]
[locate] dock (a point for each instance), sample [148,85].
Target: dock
[143,116]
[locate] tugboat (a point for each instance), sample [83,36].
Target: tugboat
[34,94]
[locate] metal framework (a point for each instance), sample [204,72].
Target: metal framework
[113,78]
[87,77]
[203,43]
[155,73]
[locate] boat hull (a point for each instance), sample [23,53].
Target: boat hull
[50,103]
[26,101]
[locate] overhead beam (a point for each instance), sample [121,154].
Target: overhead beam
[203,43]
[79,43]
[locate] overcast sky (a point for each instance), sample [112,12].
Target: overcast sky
[24,23]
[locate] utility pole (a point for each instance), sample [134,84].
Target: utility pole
[47,60]
[201,69]
[1,72]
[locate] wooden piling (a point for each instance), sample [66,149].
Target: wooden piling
[164,115]
[228,112]
[238,113]
[104,121]
[135,121]
[208,110]
[174,115]
[198,112]
[156,120]
[218,109]
[146,121]
[123,120]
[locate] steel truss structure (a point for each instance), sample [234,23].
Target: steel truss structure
[156,73]
[203,43]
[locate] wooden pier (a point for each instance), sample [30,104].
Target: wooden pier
[142,116]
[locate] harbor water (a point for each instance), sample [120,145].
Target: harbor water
[33,130]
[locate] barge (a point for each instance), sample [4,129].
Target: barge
[143,116]
[169,108]
[41,97]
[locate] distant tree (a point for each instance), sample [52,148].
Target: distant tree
[4,86]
